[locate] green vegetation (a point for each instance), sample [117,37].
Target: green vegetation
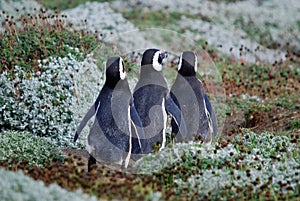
[39,58]
[39,39]
[146,19]
[17,186]
[23,146]
[272,83]
[261,35]
[295,124]
[38,63]
[102,181]
[66,4]
[151,19]
[249,166]
[226,1]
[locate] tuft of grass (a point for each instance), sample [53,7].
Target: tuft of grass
[23,146]
[295,124]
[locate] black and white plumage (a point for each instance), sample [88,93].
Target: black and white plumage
[117,132]
[189,95]
[152,99]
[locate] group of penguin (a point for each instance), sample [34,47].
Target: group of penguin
[129,125]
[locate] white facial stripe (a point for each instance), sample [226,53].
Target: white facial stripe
[156,65]
[121,69]
[196,63]
[180,62]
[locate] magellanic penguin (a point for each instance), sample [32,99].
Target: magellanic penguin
[189,95]
[152,99]
[117,132]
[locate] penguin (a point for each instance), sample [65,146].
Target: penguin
[152,100]
[189,95]
[116,134]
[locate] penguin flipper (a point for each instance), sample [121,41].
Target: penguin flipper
[177,115]
[212,114]
[86,118]
[140,143]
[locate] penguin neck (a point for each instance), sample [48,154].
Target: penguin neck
[150,72]
[113,83]
[186,73]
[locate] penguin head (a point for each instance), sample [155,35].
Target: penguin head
[154,57]
[187,64]
[115,69]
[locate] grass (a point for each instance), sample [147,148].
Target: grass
[254,32]
[226,1]
[151,18]
[66,4]
[295,124]
[272,83]
[39,37]
[146,19]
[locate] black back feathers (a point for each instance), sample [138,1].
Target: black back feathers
[187,64]
[189,95]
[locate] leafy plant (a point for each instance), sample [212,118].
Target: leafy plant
[39,62]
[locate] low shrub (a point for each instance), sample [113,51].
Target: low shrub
[17,186]
[24,146]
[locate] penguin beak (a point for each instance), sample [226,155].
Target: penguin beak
[164,55]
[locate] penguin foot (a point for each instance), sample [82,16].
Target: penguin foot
[91,163]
